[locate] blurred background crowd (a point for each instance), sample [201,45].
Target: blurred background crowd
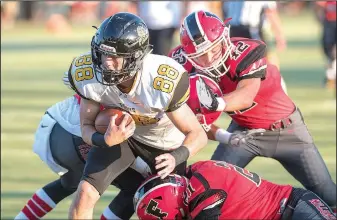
[248,19]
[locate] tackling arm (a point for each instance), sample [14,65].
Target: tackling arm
[184,119]
[243,96]
[250,70]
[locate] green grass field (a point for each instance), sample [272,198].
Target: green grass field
[32,65]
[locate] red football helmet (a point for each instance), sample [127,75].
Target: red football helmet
[160,198]
[203,34]
[205,116]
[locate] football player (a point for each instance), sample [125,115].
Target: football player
[59,144]
[254,99]
[120,72]
[233,193]
[326,14]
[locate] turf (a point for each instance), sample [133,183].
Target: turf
[32,65]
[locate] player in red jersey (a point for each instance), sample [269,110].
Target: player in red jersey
[254,99]
[233,193]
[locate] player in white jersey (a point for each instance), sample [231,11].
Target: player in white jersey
[59,145]
[121,72]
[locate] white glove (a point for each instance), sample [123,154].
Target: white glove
[207,97]
[238,138]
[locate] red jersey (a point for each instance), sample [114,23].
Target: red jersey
[248,61]
[221,189]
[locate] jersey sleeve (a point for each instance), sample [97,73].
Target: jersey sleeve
[70,79]
[203,201]
[81,78]
[181,86]
[181,93]
[251,61]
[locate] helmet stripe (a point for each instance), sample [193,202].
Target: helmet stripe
[193,30]
[199,25]
[151,190]
[188,29]
[153,183]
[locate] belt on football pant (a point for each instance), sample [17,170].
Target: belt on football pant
[286,122]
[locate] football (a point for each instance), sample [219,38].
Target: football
[103,119]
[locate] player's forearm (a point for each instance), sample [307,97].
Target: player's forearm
[211,132]
[195,140]
[218,134]
[238,99]
[88,113]
[87,131]
[243,96]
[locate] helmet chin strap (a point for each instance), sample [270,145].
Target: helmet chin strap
[126,85]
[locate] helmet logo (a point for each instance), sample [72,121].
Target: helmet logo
[142,33]
[107,48]
[153,210]
[208,14]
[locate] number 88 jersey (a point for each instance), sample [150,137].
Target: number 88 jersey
[161,86]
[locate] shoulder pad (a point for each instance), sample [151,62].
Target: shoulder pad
[248,55]
[169,82]
[176,54]
[82,78]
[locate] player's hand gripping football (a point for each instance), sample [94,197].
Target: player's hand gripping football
[242,137]
[117,134]
[165,163]
[206,96]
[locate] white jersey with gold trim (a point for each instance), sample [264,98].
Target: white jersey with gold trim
[162,85]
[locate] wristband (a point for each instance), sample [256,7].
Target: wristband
[222,136]
[221,104]
[180,154]
[97,139]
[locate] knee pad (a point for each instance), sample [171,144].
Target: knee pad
[57,192]
[70,180]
